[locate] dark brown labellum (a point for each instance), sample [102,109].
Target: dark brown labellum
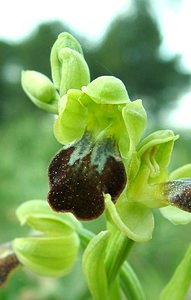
[81,173]
[178,193]
[7,265]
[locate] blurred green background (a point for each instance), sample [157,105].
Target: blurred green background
[28,144]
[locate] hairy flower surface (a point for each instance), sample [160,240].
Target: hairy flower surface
[81,173]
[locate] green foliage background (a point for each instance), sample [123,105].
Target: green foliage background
[130,51]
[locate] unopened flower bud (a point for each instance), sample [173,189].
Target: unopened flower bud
[67,64]
[47,256]
[74,70]
[40,90]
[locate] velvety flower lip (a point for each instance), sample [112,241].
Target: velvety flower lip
[178,193]
[81,173]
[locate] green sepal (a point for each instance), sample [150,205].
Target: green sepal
[48,256]
[135,119]
[74,71]
[175,215]
[94,267]
[40,90]
[178,286]
[107,90]
[64,40]
[133,219]
[38,215]
[72,120]
[182,172]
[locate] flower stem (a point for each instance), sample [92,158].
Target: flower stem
[130,283]
[85,236]
[118,249]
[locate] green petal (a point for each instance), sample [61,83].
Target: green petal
[64,40]
[74,71]
[175,215]
[38,215]
[40,90]
[47,256]
[182,172]
[94,267]
[71,123]
[107,90]
[133,219]
[135,119]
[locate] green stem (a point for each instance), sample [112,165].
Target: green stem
[118,249]
[130,283]
[85,236]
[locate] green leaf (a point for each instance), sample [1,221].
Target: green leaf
[48,256]
[178,286]
[94,268]
[133,219]
[107,90]
[72,120]
[40,90]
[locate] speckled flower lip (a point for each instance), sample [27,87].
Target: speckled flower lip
[81,173]
[178,193]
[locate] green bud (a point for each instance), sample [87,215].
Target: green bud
[38,215]
[69,69]
[40,90]
[48,256]
[74,71]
